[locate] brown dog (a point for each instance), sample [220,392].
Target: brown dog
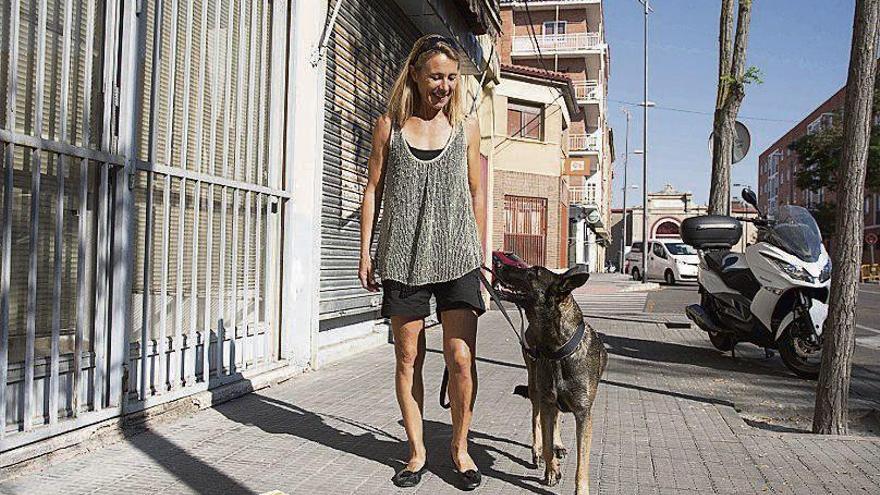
[556,385]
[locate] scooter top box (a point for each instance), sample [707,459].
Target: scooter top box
[711,231]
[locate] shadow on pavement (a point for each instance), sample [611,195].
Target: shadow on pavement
[197,474]
[668,352]
[374,444]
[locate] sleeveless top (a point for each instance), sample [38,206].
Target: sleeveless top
[428,232]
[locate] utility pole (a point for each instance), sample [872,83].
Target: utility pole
[625,187]
[645,155]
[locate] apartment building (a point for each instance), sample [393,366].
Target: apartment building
[568,37]
[778,166]
[533,112]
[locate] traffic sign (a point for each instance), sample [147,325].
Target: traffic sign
[871,238]
[742,141]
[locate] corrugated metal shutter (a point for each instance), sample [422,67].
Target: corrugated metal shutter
[370,40]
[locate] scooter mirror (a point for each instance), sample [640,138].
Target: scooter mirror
[749,197]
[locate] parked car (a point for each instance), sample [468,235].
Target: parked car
[669,260]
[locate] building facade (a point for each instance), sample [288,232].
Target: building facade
[530,191]
[568,37]
[180,191]
[778,166]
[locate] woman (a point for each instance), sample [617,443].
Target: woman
[426,161]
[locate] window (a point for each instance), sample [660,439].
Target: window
[525,121]
[554,27]
[636,247]
[877,209]
[658,250]
[591,193]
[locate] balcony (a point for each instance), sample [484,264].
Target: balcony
[584,143]
[582,195]
[557,44]
[587,92]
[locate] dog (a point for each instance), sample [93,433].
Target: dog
[564,385]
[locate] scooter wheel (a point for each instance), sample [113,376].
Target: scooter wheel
[797,357]
[721,342]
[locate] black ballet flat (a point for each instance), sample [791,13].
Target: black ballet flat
[407,478]
[470,479]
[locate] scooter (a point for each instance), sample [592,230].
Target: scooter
[774,295]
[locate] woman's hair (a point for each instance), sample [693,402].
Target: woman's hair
[405,94]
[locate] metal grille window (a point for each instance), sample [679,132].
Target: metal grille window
[54,196]
[204,205]
[525,227]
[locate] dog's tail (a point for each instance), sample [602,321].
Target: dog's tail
[521,390]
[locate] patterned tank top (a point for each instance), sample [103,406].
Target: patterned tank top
[428,231]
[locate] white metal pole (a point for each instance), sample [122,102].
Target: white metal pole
[625,184]
[645,156]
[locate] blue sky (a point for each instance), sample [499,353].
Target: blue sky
[800,46]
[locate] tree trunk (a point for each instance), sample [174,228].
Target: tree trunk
[731,70]
[832,394]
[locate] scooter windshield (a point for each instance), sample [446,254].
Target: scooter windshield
[795,231]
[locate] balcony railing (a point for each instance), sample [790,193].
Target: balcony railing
[587,91]
[556,43]
[583,142]
[581,195]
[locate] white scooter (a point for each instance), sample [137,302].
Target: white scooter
[775,295]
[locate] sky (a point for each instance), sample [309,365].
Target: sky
[800,46]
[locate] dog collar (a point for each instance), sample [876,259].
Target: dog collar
[564,351]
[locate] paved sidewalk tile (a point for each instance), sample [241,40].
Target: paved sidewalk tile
[657,430]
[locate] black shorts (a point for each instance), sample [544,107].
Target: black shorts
[399,299]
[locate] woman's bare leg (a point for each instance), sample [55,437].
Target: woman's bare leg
[459,349]
[409,351]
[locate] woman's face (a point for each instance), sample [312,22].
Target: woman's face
[436,80]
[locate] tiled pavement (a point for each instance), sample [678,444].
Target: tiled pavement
[662,425]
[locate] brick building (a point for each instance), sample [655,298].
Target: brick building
[778,166]
[532,113]
[568,37]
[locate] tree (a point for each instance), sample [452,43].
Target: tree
[831,414]
[732,79]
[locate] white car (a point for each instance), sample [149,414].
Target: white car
[669,260]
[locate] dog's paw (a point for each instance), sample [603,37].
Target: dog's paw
[521,390]
[537,459]
[560,452]
[552,476]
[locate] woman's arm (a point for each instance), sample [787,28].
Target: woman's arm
[373,198]
[475,176]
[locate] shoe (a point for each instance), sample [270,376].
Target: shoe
[470,479]
[407,478]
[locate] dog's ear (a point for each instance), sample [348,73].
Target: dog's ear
[575,277]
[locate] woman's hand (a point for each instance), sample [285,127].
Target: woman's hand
[366,275]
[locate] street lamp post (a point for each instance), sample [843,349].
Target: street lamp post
[625,183]
[645,105]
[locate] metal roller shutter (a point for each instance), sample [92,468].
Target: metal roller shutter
[370,39]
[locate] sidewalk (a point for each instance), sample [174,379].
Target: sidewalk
[663,424]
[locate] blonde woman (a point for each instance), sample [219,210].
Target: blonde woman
[425,165]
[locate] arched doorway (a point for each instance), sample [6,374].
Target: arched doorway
[667,228]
